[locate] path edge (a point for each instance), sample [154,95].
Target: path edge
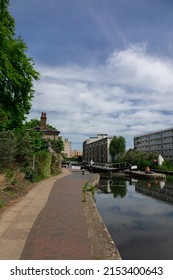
[102,244]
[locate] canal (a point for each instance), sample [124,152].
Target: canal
[138,215]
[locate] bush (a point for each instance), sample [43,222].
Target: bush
[140,159]
[56,164]
[7,149]
[167,165]
[42,164]
[2,203]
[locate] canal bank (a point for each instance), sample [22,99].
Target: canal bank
[52,222]
[102,244]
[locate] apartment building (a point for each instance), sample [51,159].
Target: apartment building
[96,149]
[160,142]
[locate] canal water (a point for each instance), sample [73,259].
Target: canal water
[138,215]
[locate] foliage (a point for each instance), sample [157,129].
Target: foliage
[16,73]
[3,119]
[56,163]
[7,148]
[117,146]
[28,143]
[24,150]
[38,142]
[2,203]
[32,123]
[20,146]
[140,159]
[88,188]
[42,165]
[57,145]
[166,165]
[36,123]
[9,173]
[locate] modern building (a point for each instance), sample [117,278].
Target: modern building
[160,142]
[96,149]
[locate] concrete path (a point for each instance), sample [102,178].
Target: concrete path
[60,232]
[17,220]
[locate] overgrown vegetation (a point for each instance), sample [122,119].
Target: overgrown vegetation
[28,150]
[166,165]
[117,147]
[88,188]
[142,160]
[2,203]
[26,156]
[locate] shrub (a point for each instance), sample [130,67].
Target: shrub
[7,149]
[42,164]
[2,203]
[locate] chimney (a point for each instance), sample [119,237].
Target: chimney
[43,121]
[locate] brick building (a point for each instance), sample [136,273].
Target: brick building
[97,149]
[47,132]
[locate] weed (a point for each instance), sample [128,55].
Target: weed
[2,203]
[9,173]
[88,188]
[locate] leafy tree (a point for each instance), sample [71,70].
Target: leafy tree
[28,142]
[141,159]
[32,123]
[57,145]
[36,122]
[23,147]
[39,141]
[7,149]
[3,118]
[16,73]
[117,146]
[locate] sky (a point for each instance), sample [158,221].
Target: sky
[106,66]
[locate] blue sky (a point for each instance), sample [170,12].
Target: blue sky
[106,65]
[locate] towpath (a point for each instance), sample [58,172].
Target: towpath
[49,222]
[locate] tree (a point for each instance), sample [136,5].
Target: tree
[117,146]
[141,159]
[7,149]
[16,73]
[28,143]
[57,145]
[32,123]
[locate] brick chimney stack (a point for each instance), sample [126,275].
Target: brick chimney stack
[43,121]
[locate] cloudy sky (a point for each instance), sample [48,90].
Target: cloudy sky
[106,66]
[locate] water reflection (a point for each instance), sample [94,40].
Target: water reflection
[118,188]
[138,216]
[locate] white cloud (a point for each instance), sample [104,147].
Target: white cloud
[130,94]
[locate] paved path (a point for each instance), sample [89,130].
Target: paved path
[49,222]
